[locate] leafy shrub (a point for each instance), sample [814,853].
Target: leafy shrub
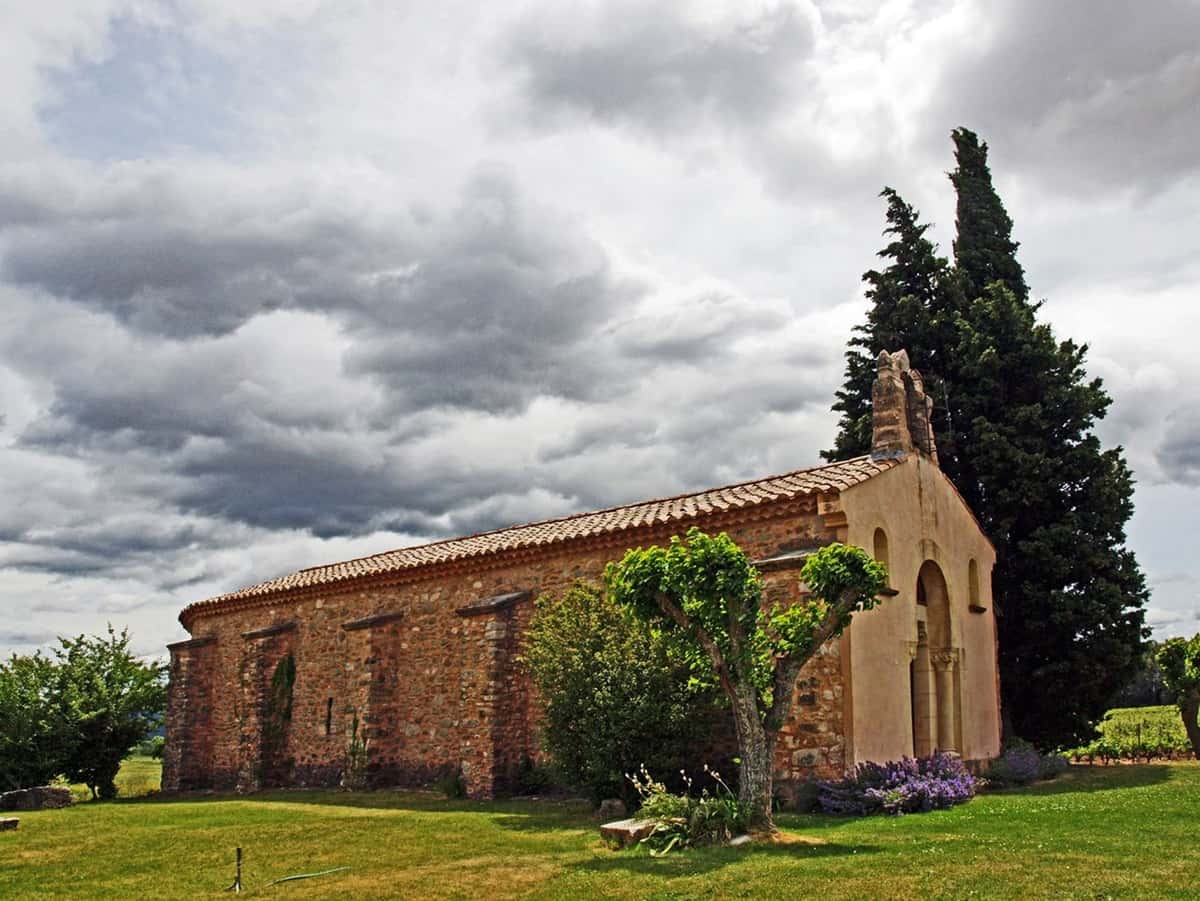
[1018,765]
[683,820]
[1051,766]
[900,786]
[615,693]
[1022,763]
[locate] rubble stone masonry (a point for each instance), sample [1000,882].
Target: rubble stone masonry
[426,665]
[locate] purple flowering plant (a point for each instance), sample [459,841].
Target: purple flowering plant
[908,785]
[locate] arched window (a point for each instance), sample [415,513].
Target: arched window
[973,603]
[881,547]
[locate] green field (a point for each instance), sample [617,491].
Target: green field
[1096,832]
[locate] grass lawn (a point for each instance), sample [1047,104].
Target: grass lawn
[1096,832]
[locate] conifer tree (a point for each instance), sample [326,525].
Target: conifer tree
[1014,427]
[984,251]
[911,300]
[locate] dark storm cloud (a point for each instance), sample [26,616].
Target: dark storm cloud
[481,309]
[1179,452]
[652,67]
[220,411]
[1082,93]
[161,274]
[320,482]
[497,314]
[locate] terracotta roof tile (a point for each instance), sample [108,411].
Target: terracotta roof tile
[832,476]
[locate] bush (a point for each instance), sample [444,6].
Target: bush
[1022,763]
[1019,764]
[1051,766]
[905,786]
[682,820]
[615,694]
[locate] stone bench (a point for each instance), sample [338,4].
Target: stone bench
[622,833]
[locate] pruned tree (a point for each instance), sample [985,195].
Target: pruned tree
[703,591]
[1179,660]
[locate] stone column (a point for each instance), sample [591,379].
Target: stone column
[924,699]
[944,662]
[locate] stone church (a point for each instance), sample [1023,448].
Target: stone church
[402,667]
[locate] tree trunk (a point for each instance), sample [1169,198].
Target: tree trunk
[757,746]
[1189,709]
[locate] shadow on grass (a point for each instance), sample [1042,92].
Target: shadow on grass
[515,813]
[1083,779]
[704,860]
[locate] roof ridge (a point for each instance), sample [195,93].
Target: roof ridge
[570,516]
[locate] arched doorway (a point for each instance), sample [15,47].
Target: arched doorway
[934,670]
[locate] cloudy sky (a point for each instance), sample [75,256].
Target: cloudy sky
[287,282]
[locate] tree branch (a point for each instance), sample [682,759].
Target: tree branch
[787,669]
[671,609]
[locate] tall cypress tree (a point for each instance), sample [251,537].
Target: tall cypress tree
[984,251]
[1070,596]
[1015,435]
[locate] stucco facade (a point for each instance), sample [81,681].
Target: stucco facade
[400,668]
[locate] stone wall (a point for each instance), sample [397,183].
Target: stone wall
[427,664]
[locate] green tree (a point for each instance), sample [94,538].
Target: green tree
[109,701]
[1014,426]
[703,592]
[913,303]
[614,693]
[1179,660]
[31,739]
[984,251]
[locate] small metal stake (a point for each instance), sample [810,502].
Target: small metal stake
[237,881]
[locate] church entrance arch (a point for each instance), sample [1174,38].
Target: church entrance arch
[935,672]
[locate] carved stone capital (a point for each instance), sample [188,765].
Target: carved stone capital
[944,658]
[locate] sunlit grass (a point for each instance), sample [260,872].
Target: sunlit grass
[1103,831]
[139,776]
